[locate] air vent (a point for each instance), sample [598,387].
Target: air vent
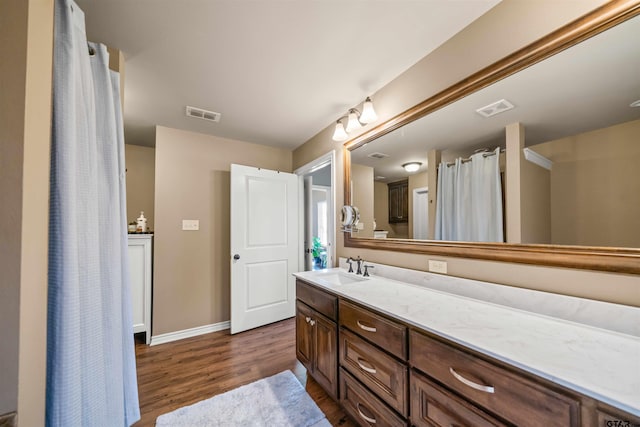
[495,108]
[380,177]
[378,155]
[199,113]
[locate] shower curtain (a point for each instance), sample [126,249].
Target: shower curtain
[91,373]
[469,200]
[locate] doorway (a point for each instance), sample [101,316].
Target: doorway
[317,213]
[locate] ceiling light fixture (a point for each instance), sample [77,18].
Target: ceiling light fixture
[355,120]
[412,166]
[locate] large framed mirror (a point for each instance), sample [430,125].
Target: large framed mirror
[569,140]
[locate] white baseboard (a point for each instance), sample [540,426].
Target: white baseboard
[188,333]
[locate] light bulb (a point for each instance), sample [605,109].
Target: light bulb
[368,113]
[353,122]
[339,134]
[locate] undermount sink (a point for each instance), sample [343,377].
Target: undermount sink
[340,278]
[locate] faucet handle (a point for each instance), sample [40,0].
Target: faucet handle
[349,261]
[366,270]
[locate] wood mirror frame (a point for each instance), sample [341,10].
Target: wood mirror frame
[617,260]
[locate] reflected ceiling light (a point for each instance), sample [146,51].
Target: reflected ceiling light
[635,103]
[355,120]
[412,166]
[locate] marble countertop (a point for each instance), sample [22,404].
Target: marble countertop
[596,362]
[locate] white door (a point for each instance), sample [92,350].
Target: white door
[421,213]
[264,246]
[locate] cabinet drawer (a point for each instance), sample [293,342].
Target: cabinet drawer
[363,406]
[515,398]
[389,335]
[432,405]
[315,298]
[383,374]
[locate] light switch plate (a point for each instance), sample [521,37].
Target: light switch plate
[191,224]
[360,226]
[436,266]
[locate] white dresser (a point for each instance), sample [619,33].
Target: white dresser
[140,272]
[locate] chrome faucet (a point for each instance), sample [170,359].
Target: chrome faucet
[366,270]
[349,261]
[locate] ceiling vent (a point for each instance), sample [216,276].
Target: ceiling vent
[495,108]
[199,113]
[378,155]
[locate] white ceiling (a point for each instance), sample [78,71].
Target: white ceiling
[589,86]
[279,71]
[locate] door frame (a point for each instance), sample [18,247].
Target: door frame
[318,163]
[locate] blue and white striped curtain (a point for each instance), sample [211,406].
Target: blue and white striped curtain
[469,200]
[91,372]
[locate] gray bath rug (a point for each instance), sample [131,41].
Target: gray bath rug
[279,400]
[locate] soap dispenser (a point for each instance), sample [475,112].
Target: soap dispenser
[141,223]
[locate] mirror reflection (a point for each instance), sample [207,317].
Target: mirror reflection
[568,134]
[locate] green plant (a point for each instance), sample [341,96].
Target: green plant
[317,247]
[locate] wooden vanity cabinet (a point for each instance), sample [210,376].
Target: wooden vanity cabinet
[432,405]
[513,397]
[398,201]
[317,336]
[387,373]
[374,383]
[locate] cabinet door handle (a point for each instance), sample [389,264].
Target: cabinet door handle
[366,328]
[307,319]
[476,386]
[365,368]
[364,417]
[312,322]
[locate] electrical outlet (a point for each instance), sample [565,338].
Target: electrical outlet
[191,224]
[436,266]
[360,226]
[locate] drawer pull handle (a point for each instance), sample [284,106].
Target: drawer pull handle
[312,322]
[479,387]
[365,368]
[364,417]
[366,328]
[307,319]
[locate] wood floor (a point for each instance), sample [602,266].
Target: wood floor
[184,372]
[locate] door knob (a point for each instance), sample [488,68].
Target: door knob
[236,257]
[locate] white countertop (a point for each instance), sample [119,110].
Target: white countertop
[596,362]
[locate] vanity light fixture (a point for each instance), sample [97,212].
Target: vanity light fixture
[355,120]
[412,166]
[339,134]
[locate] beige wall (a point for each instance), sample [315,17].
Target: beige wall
[535,187]
[26,37]
[381,207]
[595,187]
[191,268]
[362,185]
[514,134]
[141,169]
[477,46]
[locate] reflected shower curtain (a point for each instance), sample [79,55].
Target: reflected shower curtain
[469,200]
[91,373]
